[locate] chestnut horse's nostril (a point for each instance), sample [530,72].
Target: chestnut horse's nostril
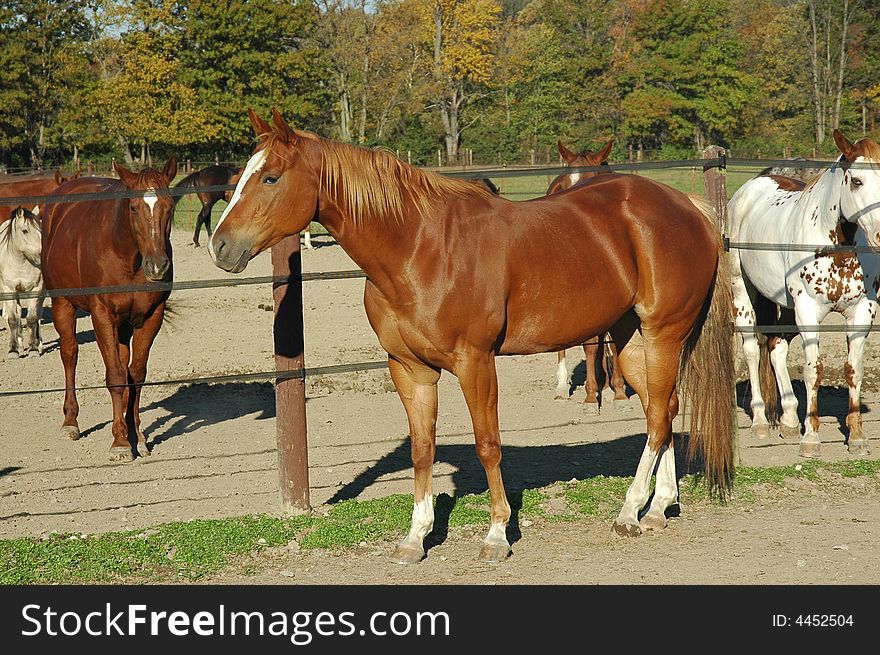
[219,244]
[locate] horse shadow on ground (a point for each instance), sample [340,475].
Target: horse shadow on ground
[524,467]
[831,401]
[196,406]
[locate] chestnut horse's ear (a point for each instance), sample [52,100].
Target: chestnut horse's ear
[567,155]
[169,170]
[844,145]
[283,128]
[77,174]
[605,151]
[260,126]
[128,178]
[59,178]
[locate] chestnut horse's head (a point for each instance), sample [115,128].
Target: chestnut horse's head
[860,195]
[575,159]
[150,216]
[276,195]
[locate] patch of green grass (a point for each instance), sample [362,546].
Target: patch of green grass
[188,550]
[193,549]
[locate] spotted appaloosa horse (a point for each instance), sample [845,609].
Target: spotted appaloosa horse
[614,387]
[457,276]
[834,207]
[20,247]
[99,243]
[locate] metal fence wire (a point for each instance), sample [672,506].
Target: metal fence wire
[704,164]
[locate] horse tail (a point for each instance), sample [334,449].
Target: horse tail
[707,375]
[188,182]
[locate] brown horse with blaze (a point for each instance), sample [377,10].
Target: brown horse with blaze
[101,243]
[614,383]
[457,276]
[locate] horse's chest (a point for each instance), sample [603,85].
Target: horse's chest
[835,280]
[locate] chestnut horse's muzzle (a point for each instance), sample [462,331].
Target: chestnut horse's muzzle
[230,256]
[156,267]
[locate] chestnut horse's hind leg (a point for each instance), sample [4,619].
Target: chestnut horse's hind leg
[64,320]
[417,387]
[660,366]
[479,384]
[141,342]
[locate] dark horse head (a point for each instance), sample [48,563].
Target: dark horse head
[150,216]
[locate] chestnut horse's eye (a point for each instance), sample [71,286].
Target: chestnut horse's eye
[270,179]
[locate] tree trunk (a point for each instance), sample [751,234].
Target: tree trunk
[126,150]
[835,119]
[818,110]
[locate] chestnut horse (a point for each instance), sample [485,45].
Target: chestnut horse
[112,242]
[614,383]
[457,276]
[42,186]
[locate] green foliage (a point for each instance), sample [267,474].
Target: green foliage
[259,53]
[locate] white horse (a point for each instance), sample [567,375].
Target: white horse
[20,251]
[840,206]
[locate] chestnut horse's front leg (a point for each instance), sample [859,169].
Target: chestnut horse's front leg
[479,384]
[141,342]
[64,320]
[417,387]
[107,336]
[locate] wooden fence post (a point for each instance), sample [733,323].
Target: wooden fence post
[715,181]
[290,393]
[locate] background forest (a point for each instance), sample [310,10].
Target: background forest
[463,80]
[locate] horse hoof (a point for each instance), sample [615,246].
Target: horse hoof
[560,396]
[627,529]
[12,354]
[858,447]
[809,449]
[607,396]
[406,554]
[70,431]
[761,431]
[789,432]
[591,409]
[651,522]
[494,551]
[143,451]
[121,454]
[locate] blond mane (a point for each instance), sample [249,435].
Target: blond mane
[376,185]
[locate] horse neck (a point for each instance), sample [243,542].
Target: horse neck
[824,198]
[379,245]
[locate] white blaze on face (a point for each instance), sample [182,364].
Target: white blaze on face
[574,178]
[150,198]
[255,165]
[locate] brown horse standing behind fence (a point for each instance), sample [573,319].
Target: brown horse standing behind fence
[457,276]
[614,383]
[209,176]
[42,186]
[98,243]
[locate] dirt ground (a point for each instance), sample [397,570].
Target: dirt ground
[214,454]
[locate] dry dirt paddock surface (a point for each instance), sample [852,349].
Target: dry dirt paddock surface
[214,454]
